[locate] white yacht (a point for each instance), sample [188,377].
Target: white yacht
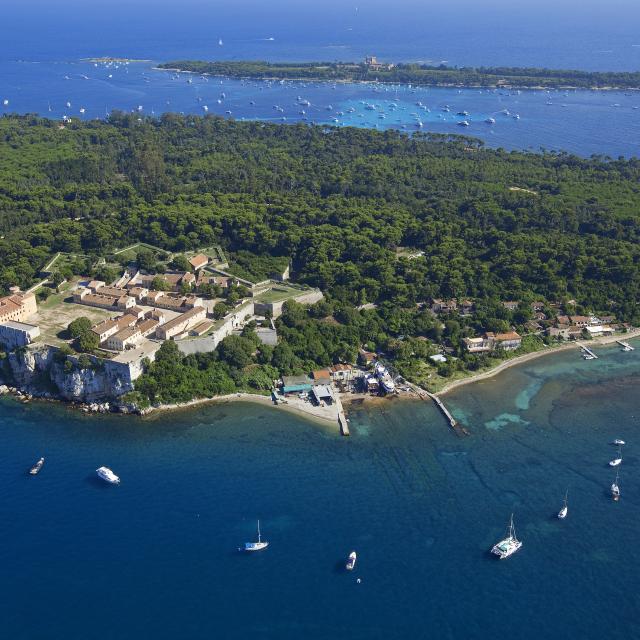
[5,102]
[351,561]
[615,489]
[619,442]
[107,475]
[255,546]
[616,461]
[463,123]
[384,378]
[509,545]
[35,470]
[562,514]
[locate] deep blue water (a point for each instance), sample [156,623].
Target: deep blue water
[41,44]
[156,556]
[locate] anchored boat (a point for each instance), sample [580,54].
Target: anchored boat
[615,489]
[35,470]
[351,561]
[255,546]
[509,545]
[562,514]
[107,475]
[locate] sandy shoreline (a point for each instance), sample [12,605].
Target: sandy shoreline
[605,340]
[300,411]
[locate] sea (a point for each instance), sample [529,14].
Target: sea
[45,67]
[157,556]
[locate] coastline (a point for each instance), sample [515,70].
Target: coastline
[241,396]
[503,366]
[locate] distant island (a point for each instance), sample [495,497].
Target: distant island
[371,70]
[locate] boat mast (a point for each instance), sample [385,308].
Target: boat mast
[259,531]
[512,529]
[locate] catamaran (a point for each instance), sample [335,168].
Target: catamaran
[615,489]
[562,514]
[509,545]
[351,561]
[255,546]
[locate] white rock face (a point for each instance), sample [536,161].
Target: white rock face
[38,366]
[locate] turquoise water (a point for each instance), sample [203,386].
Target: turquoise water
[156,556]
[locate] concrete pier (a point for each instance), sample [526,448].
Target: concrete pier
[587,350]
[342,418]
[625,345]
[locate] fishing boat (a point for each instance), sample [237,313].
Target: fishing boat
[351,561]
[562,514]
[107,475]
[255,546]
[509,545]
[35,470]
[616,461]
[615,489]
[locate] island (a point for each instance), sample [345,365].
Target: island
[152,262]
[371,70]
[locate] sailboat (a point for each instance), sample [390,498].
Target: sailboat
[615,489]
[255,546]
[618,460]
[351,561]
[562,514]
[509,545]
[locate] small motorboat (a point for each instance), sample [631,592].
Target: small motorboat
[618,442]
[351,561]
[562,514]
[107,475]
[255,546]
[35,470]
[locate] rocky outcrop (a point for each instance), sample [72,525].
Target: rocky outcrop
[41,370]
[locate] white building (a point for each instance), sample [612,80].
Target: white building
[15,334]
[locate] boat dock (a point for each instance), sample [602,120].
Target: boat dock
[459,429]
[588,351]
[625,345]
[342,418]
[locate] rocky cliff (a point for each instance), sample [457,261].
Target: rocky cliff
[41,370]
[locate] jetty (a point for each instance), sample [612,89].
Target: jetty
[588,351]
[625,345]
[342,418]
[423,394]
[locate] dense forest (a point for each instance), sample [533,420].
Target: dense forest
[418,74]
[369,217]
